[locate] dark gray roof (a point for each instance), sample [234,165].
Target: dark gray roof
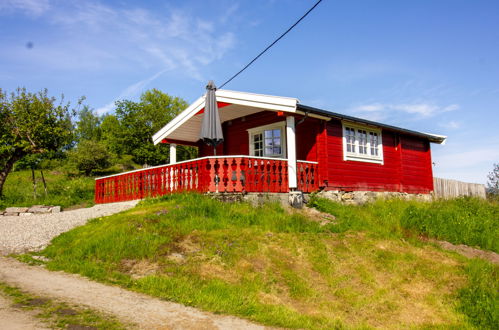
[431,137]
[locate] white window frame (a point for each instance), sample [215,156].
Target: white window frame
[261,130]
[356,156]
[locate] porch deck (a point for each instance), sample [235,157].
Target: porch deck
[215,174]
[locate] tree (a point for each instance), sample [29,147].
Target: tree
[31,123]
[493,183]
[89,156]
[88,125]
[129,131]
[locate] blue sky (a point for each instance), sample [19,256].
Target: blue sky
[431,66]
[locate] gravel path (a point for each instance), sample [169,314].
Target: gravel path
[34,232]
[133,308]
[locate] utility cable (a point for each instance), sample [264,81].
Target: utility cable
[272,44]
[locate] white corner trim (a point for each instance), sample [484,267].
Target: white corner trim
[173,153]
[367,158]
[291,141]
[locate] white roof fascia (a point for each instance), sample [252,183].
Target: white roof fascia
[179,120]
[269,102]
[278,103]
[437,137]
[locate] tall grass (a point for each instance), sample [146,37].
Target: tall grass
[62,190]
[470,221]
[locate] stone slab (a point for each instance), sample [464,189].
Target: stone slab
[16,209]
[22,214]
[39,210]
[11,214]
[55,209]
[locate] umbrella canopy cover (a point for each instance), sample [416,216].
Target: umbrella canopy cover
[211,128]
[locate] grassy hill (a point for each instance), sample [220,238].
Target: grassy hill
[367,268]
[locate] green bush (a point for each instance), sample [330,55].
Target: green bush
[90,156]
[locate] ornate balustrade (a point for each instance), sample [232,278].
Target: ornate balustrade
[307,175]
[207,174]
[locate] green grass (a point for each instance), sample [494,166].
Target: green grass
[58,314]
[275,267]
[62,190]
[469,221]
[480,298]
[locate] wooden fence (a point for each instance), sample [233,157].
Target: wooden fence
[446,188]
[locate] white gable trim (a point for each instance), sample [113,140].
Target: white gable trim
[268,102]
[178,120]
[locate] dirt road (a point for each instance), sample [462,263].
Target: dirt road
[131,307]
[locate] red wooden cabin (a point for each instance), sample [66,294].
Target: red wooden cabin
[276,144]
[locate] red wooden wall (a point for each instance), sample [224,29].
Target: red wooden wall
[237,141]
[407,160]
[406,168]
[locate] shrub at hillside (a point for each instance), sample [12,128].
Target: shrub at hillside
[90,156]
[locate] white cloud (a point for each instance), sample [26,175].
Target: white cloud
[129,92]
[103,39]
[30,7]
[132,38]
[450,125]
[420,110]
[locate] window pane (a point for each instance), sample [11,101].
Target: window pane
[362,137]
[374,143]
[350,139]
[258,145]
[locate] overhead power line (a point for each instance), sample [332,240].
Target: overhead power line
[272,44]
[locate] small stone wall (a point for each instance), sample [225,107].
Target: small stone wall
[297,199]
[362,197]
[24,211]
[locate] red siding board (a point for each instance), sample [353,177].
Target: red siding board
[406,168]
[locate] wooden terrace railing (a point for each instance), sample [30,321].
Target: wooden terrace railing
[207,174]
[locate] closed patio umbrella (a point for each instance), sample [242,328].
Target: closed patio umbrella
[211,128]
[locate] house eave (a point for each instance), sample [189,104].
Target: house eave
[242,99]
[435,138]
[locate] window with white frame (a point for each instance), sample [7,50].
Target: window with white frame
[268,140]
[362,143]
